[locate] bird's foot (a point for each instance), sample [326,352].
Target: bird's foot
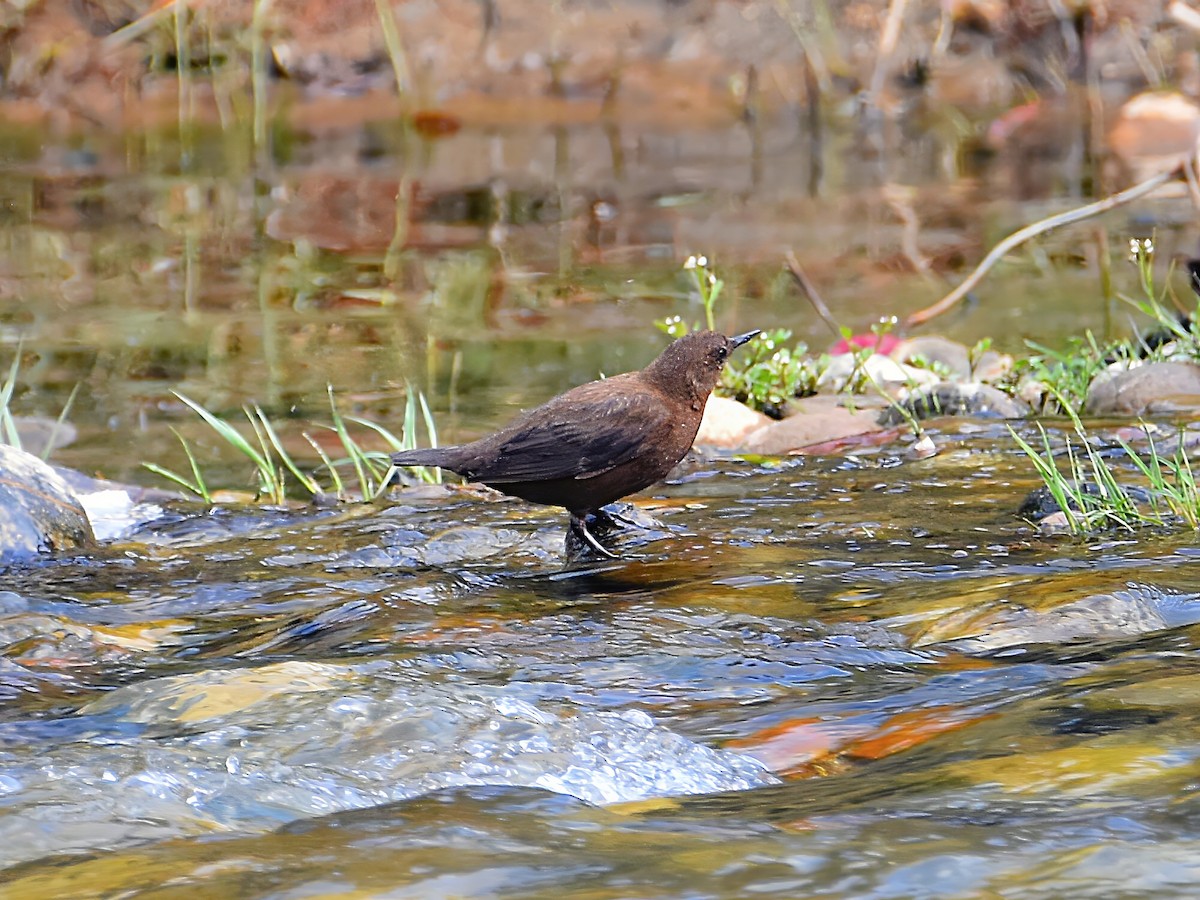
[612,518]
[625,518]
[581,543]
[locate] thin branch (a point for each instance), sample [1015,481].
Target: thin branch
[1071,216]
[810,292]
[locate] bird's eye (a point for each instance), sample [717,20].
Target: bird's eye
[721,354]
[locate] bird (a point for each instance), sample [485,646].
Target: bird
[600,441]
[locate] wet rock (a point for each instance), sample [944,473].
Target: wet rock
[38,512]
[954,399]
[954,358]
[1118,614]
[366,739]
[1038,504]
[112,508]
[83,485]
[1055,523]
[815,420]
[726,423]
[114,513]
[1154,387]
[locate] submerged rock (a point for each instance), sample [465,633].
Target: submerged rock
[1135,610]
[1154,387]
[253,746]
[1039,504]
[39,513]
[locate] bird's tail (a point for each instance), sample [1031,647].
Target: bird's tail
[425,456]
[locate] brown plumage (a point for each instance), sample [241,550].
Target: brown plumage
[600,441]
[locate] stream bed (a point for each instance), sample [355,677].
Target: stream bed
[856,674]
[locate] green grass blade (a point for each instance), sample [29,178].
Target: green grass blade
[60,421]
[201,484]
[270,475]
[176,478]
[410,421]
[352,449]
[427,415]
[11,435]
[227,433]
[197,487]
[307,481]
[338,487]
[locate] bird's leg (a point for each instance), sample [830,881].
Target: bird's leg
[579,530]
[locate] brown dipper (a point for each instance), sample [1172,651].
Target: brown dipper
[600,441]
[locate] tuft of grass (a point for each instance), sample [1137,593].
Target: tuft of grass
[1089,492]
[9,434]
[1172,480]
[1067,374]
[270,474]
[196,485]
[276,469]
[1094,496]
[1174,330]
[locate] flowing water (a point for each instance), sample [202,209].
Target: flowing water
[854,675]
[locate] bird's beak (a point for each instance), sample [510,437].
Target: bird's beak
[736,342]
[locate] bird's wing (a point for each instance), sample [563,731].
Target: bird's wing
[581,434]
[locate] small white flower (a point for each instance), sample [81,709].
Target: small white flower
[1139,249]
[692,262]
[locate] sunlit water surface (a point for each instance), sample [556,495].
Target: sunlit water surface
[854,676]
[848,677]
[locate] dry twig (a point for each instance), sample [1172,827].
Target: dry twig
[810,292]
[1071,216]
